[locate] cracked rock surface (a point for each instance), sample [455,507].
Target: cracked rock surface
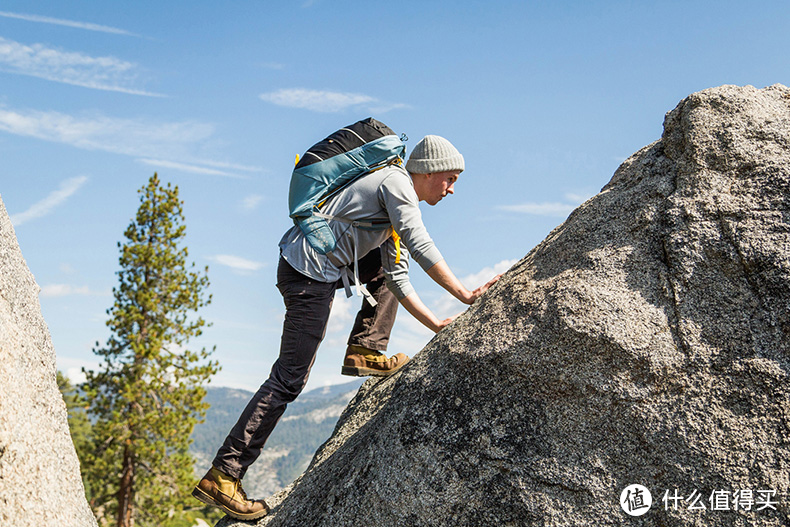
[646,340]
[40,482]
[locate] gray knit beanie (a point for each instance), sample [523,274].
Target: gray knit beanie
[434,154]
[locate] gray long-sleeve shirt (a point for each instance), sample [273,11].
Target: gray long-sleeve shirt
[386,195]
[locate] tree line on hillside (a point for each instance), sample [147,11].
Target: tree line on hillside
[131,420]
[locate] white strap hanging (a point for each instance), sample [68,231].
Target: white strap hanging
[345,271]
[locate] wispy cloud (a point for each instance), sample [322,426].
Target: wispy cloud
[76,375]
[251,202]
[327,101]
[72,367]
[67,268]
[340,319]
[577,198]
[552,208]
[229,166]
[237,263]
[475,280]
[540,209]
[155,143]
[41,208]
[68,23]
[184,167]
[77,69]
[135,137]
[55,290]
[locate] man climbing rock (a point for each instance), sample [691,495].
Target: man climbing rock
[308,280]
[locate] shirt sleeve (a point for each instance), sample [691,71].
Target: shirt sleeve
[395,262]
[398,197]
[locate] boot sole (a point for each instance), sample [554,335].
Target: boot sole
[361,371]
[208,500]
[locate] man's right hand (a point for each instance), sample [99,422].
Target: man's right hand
[442,275]
[480,291]
[446,322]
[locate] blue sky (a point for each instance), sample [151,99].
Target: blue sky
[544,99]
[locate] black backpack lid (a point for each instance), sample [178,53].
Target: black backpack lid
[345,139]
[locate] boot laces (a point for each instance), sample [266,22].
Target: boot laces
[240,491]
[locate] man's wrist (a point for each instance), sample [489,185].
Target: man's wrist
[467,297]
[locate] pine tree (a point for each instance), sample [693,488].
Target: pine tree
[148,393]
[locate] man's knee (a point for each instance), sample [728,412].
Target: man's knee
[287,384]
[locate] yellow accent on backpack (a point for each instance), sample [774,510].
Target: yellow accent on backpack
[396,240]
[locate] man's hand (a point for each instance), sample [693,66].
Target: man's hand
[477,293]
[442,275]
[446,322]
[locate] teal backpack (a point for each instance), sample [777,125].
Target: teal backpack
[328,166]
[326,169]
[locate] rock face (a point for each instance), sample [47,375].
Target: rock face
[645,341]
[40,481]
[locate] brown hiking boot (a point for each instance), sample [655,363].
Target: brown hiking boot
[225,492]
[360,362]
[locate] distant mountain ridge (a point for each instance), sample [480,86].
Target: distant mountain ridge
[306,424]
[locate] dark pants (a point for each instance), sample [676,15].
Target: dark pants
[307,306]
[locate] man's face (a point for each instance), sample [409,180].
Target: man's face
[439,184]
